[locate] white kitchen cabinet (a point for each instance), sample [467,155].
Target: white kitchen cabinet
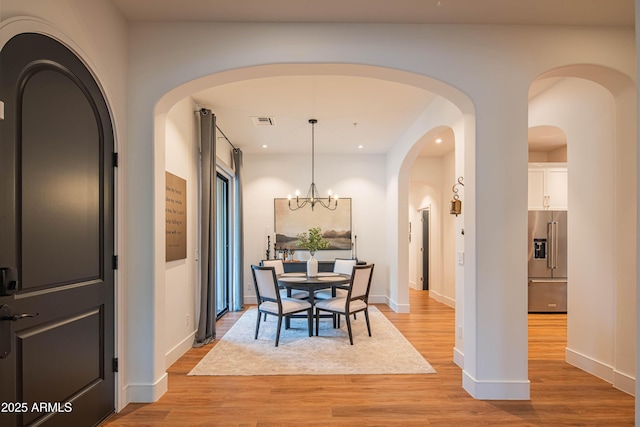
[547,187]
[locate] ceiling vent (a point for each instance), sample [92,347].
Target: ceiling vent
[263,121]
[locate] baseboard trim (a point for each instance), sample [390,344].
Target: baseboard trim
[442,299]
[624,382]
[496,390]
[590,365]
[147,393]
[398,308]
[458,357]
[179,350]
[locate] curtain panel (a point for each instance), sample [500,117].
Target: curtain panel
[238,256]
[206,331]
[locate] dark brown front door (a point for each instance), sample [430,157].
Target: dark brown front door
[56,239]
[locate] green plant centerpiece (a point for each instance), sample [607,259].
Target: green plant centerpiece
[312,241]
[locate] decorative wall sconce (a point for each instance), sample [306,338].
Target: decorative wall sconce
[456,203]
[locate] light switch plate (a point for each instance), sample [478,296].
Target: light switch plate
[1,110]
[460,256]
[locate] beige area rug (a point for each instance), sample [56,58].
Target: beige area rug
[386,352]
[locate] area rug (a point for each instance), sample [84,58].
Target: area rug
[387,351]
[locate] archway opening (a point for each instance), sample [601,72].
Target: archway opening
[592,106]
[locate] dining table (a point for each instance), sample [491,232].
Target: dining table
[301,281]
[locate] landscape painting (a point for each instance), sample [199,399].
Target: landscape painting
[335,225]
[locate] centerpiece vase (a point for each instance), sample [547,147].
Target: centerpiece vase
[312,266]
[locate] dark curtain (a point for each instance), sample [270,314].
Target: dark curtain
[207,322]
[238,259]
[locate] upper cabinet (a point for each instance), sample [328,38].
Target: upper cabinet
[548,187]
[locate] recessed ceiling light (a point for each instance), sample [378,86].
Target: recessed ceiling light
[439,141]
[361,146]
[264,145]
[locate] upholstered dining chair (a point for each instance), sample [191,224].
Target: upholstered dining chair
[342,266]
[278,265]
[270,301]
[357,299]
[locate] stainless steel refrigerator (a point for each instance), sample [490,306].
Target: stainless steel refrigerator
[547,261]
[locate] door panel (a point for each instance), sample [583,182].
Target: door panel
[60,181]
[57,226]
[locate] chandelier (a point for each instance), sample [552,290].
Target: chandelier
[313,197]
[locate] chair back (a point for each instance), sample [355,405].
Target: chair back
[275,263]
[264,279]
[361,282]
[344,265]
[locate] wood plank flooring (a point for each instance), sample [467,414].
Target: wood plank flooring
[560,393]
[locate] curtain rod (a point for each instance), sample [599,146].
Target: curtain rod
[225,137]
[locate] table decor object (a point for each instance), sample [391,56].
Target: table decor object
[312,242]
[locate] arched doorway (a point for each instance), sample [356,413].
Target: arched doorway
[592,105]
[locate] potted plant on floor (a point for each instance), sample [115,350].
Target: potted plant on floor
[312,241]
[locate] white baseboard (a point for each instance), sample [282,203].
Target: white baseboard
[496,390]
[147,393]
[601,370]
[590,365]
[443,299]
[398,308]
[176,352]
[458,357]
[624,382]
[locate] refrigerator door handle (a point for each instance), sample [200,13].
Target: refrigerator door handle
[553,236]
[550,248]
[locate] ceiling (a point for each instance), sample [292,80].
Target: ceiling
[355,114]
[512,12]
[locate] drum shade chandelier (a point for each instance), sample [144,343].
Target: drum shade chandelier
[313,197]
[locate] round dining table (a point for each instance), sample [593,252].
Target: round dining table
[301,281]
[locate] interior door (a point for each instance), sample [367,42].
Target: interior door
[56,239]
[426,224]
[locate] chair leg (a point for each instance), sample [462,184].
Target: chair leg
[317,321]
[366,316]
[257,325]
[347,319]
[310,318]
[278,330]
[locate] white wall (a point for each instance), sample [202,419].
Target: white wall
[359,177]
[181,159]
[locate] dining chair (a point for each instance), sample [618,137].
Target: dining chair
[278,264]
[357,299]
[270,301]
[341,266]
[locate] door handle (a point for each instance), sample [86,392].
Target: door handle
[17,317]
[6,317]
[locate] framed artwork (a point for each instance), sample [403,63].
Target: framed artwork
[176,217]
[335,225]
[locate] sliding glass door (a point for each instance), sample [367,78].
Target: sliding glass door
[223,278]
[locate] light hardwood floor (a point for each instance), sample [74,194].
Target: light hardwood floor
[560,393]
